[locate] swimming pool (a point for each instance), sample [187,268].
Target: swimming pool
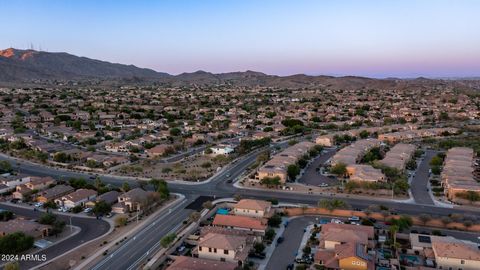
[222,211]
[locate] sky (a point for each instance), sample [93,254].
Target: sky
[407,38]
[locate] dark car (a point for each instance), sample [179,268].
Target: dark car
[257,255]
[290,266]
[280,240]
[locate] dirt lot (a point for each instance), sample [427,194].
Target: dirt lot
[193,168]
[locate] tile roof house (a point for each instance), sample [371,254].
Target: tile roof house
[344,246]
[130,201]
[28,227]
[253,225]
[223,247]
[364,173]
[454,254]
[252,208]
[53,193]
[76,198]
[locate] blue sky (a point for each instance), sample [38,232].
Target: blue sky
[405,38]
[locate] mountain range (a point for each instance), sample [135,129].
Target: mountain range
[27,66]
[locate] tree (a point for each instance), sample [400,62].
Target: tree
[98,183]
[445,221]
[175,132]
[5,167]
[6,215]
[121,221]
[155,183]
[57,227]
[393,233]
[339,169]
[292,171]
[163,189]
[424,218]
[333,204]
[101,208]
[269,234]
[436,161]
[403,222]
[259,247]
[275,221]
[194,216]
[207,205]
[12,266]
[47,219]
[15,243]
[167,240]
[270,181]
[125,186]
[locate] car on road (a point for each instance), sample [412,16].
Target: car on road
[87,210]
[227,175]
[290,266]
[229,181]
[280,240]
[323,185]
[257,255]
[14,200]
[38,204]
[109,215]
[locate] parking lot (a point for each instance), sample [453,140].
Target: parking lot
[313,177]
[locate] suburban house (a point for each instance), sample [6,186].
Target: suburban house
[364,173]
[191,263]
[223,247]
[277,166]
[353,153]
[345,246]
[110,198]
[28,227]
[457,174]
[348,256]
[399,156]
[36,183]
[454,254]
[252,208]
[254,225]
[222,150]
[76,198]
[157,150]
[130,201]
[53,193]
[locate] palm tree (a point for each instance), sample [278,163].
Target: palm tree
[393,233]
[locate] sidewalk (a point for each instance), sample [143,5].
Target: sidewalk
[269,250]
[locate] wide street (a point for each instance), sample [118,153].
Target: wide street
[139,248]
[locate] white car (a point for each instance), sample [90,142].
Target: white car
[336,221]
[87,210]
[354,218]
[38,204]
[323,185]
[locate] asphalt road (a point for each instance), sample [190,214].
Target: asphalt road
[312,176]
[91,228]
[420,181]
[284,254]
[144,244]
